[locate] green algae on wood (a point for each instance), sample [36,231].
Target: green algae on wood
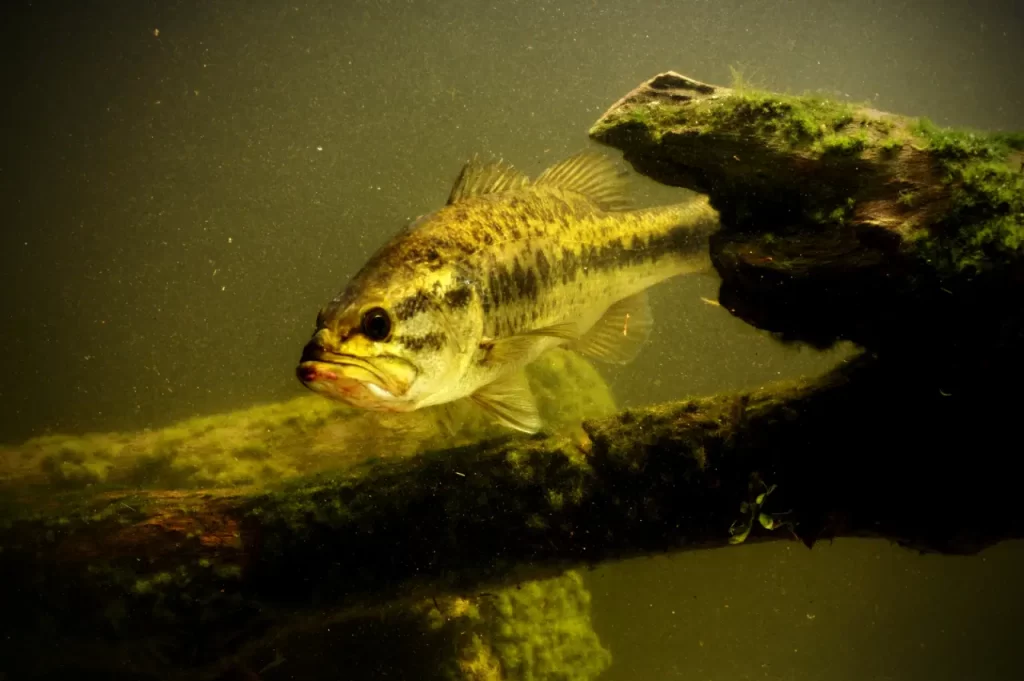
[538,630]
[842,222]
[984,176]
[268,443]
[210,573]
[759,154]
[155,518]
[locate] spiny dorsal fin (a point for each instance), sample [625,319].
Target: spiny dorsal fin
[591,174]
[478,178]
[620,333]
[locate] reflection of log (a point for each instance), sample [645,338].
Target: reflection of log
[203,574]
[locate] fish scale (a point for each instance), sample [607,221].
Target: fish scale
[586,256]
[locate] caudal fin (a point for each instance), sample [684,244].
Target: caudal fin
[693,224]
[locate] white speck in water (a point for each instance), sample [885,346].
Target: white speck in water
[229,239]
[319,148]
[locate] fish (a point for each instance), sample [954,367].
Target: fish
[456,305]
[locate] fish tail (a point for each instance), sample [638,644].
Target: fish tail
[697,218]
[684,229]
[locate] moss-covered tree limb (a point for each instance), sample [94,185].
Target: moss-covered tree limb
[199,575]
[843,222]
[123,550]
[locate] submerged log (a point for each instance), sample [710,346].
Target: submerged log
[845,222]
[127,552]
[204,575]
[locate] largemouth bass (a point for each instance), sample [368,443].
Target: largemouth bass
[455,305]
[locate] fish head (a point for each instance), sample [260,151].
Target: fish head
[386,348]
[353,368]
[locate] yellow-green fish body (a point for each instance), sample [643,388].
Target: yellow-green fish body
[455,305]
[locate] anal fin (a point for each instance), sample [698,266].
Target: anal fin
[620,333]
[509,401]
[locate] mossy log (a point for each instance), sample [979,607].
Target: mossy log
[844,222]
[141,532]
[204,575]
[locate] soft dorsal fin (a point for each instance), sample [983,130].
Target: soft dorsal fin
[592,175]
[478,178]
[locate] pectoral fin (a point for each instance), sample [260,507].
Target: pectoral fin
[448,417]
[620,333]
[509,401]
[513,349]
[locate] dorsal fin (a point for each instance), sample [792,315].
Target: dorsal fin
[592,175]
[478,178]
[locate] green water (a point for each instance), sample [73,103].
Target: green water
[185,183]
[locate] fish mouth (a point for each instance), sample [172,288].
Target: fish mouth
[351,379]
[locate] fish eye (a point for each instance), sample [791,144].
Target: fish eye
[376,324]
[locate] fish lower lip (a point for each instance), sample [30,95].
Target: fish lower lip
[309,373]
[327,366]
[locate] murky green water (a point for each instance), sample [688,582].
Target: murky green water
[186,183]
